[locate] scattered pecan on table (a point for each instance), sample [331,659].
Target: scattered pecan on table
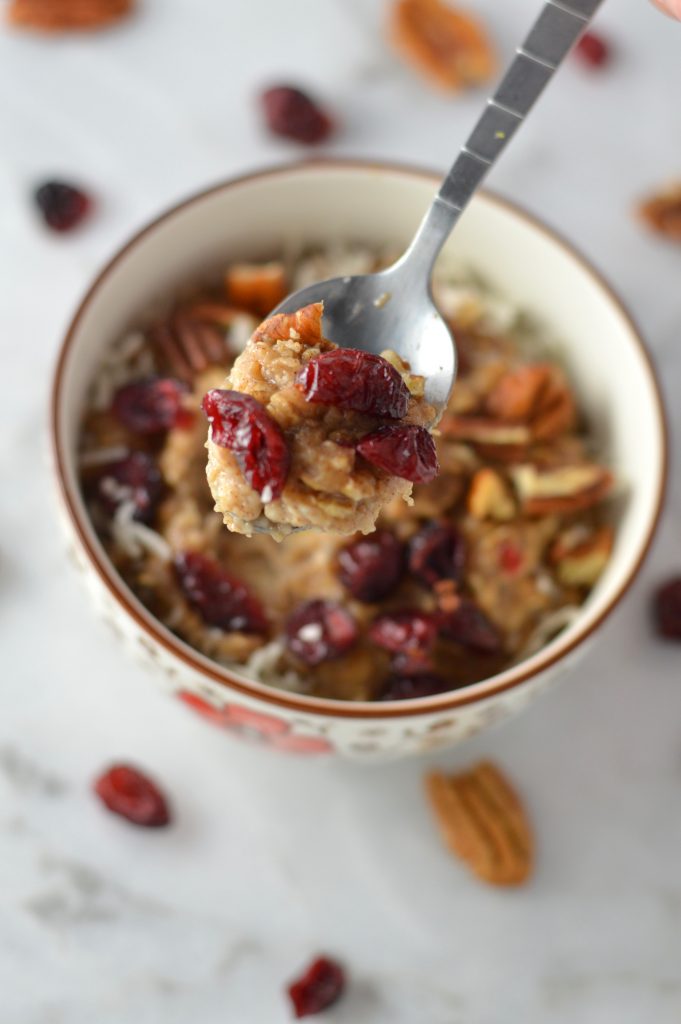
[483,823]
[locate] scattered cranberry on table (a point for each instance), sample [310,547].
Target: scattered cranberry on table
[62,206]
[133,796]
[319,987]
[592,50]
[291,113]
[667,609]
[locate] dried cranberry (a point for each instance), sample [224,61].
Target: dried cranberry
[437,552]
[510,557]
[668,609]
[400,687]
[593,50]
[243,425]
[371,567]
[412,663]
[320,631]
[291,113]
[404,632]
[150,406]
[405,451]
[135,478]
[318,988]
[62,206]
[357,380]
[469,626]
[220,599]
[126,791]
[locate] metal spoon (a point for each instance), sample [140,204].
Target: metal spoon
[394,309]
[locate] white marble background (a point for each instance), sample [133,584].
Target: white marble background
[272,860]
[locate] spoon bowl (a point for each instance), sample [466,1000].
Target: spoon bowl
[392,309]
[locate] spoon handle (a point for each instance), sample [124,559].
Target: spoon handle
[550,39]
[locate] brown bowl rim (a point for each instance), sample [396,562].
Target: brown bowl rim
[300,703]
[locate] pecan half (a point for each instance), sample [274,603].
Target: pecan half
[450,48]
[662,212]
[483,822]
[563,490]
[489,497]
[67,15]
[537,395]
[580,555]
[187,345]
[256,287]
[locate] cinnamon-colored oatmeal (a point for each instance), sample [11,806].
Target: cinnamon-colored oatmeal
[492,559]
[314,477]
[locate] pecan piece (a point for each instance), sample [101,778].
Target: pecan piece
[483,822]
[187,345]
[214,312]
[580,555]
[416,384]
[488,497]
[450,48]
[537,395]
[662,212]
[563,490]
[492,439]
[480,430]
[305,324]
[256,287]
[67,15]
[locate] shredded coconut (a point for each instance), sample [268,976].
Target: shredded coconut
[240,330]
[101,456]
[129,359]
[135,538]
[550,626]
[265,666]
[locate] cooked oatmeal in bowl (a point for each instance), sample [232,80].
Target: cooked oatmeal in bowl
[480,567]
[305,435]
[457,610]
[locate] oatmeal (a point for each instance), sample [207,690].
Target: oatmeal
[494,556]
[301,434]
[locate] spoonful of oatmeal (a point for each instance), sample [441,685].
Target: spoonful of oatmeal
[325,416]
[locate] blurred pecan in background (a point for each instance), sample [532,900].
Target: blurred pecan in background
[662,212]
[65,15]
[449,48]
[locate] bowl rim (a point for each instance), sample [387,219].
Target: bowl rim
[301,703]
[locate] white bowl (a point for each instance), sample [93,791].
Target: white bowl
[315,203]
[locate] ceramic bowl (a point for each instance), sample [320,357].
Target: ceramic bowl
[315,203]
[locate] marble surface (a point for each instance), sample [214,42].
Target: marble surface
[271,860]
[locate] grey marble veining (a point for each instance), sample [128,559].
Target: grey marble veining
[271,860]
